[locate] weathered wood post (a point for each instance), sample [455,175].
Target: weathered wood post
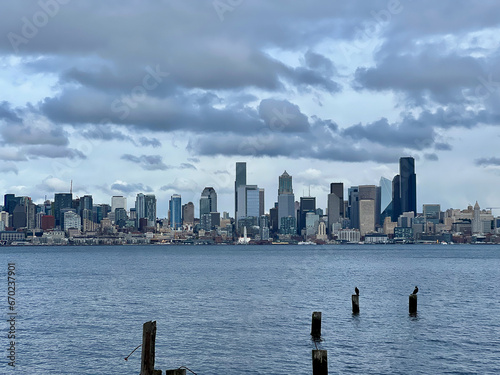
[320,363]
[355,304]
[180,371]
[316,325]
[148,349]
[413,304]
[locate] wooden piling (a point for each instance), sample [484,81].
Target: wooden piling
[320,363]
[148,348]
[180,371]
[355,304]
[413,304]
[316,325]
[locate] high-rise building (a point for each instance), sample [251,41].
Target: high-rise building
[396,198]
[61,201]
[307,204]
[248,202]
[118,201]
[145,208]
[353,206]
[188,213]
[208,201]
[175,206]
[286,205]
[335,204]
[262,209]
[150,204]
[408,187]
[385,198]
[241,180]
[432,213]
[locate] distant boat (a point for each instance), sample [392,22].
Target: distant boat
[306,243]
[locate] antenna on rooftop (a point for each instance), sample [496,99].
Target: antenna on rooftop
[71,187]
[309,190]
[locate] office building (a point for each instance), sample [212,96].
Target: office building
[241,180]
[61,201]
[335,209]
[408,185]
[175,208]
[307,204]
[118,201]
[188,213]
[208,201]
[286,205]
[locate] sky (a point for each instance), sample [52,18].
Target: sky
[164,97]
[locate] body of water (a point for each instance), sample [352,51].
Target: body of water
[247,309]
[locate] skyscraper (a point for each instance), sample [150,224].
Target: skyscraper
[385,198]
[307,204]
[188,213]
[241,180]
[396,198]
[353,206]
[286,205]
[208,201]
[61,201]
[118,201]
[145,208]
[335,204]
[408,187]
[175,207]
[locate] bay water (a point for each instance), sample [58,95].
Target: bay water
[247,309]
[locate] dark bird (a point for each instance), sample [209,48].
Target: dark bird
[415,291]
[356,290]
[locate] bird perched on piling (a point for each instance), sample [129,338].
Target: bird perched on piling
[415,291]
[356,290]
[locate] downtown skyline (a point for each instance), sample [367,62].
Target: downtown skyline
[165,98]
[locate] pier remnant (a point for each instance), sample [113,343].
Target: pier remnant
[148,349]
[320,363]
[316,325]
[413,304]
[355,303]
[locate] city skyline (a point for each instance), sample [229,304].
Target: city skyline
[338,99]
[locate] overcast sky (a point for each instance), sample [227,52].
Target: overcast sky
[164,97]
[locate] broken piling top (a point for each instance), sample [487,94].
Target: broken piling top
[148,348]
[320,362]
[316,325]
[355,303]
[412,304]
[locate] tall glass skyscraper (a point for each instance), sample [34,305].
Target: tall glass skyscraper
[241,180]
[175,207]
[286,205]
[408,187]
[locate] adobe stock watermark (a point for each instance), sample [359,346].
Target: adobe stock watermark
[221,7]
[31,26]
[280,120]
[379,18]
[122,108]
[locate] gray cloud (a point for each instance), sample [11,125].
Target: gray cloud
[53,152]
[486,162]
[153,142]
[128,188]
[7,113]
[9,168]
[147,162]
